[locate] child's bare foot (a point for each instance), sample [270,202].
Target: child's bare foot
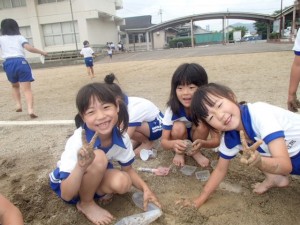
[178,160]
[94,213]
[269,182]
[33,116]
[201,159]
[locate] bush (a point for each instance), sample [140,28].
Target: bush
[274,36]
[180,42]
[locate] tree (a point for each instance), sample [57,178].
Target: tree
[261,29]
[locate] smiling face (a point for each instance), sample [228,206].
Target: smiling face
[223,115]
[185,94]
[100,116]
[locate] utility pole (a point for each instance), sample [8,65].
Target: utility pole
[76,44]
[281,21]
[160,11]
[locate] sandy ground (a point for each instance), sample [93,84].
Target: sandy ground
[29,153]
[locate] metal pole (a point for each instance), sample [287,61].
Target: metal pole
[74,27]
[281,22]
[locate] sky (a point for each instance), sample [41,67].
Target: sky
[164,10]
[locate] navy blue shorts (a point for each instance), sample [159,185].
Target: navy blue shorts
[296,164]
[89,62]
[156,128]
[17,70]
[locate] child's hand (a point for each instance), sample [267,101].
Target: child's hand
[194,147]
[86,154]
[149,196]
[179,146]
[250,156]
[183,202]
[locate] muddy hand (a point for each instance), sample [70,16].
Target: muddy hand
[149,196]
[86,154]
[250,156]
[189,150]
[183,202]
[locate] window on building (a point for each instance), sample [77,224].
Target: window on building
[26,32]
[60,33]
[138,38]
[5,4]
[49,1]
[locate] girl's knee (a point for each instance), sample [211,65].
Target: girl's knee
[121,183]
[100,162]
[179,130]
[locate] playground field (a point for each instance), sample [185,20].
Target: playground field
[256,72]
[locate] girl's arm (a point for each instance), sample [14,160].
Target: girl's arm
[213,182]
[293,86]
[280,162]
[85,156]
[214,141]
[32,49]
[9,213]
[138,182]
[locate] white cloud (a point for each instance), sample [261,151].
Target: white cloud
[172,9]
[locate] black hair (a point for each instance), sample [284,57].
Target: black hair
[115,88]
[85,43]
[201,100]
[185,74]
[102,93]
[9,27]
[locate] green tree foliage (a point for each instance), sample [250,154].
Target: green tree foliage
[261,29]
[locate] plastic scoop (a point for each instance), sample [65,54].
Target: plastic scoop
[153,212]
[160,171]
[141,218]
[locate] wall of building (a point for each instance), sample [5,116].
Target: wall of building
[159,39]
[95,20]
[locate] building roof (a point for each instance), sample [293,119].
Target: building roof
[137,22]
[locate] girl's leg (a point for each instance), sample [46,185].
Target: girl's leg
[115,182]
[88,71]
[92,72]
[200,132]
[271,180]
[142,134]
[179,131]
[90,183]
[26,88]
[17,96]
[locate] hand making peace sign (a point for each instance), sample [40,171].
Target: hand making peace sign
[86,154]
[250,156]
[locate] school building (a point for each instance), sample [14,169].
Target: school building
[61,26]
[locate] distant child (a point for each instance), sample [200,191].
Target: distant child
[88,55]
[9,213]
[277,156]
[109,53]
[177,121]
[145,118]
[85,171]
[17,69]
